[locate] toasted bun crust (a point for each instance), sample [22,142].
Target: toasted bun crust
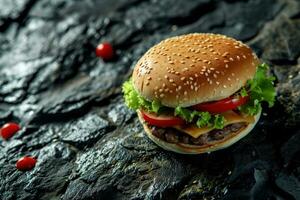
[194,149]
[194,68]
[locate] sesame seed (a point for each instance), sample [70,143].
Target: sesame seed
[217,83]
[238,57]
[164,85]
[185,93]
[160,90]
[182,62]
[215,75]
[231,59]
[224,86]
[228,79]
[226,61]
[182,78]
[225,54]
[149,78]
[171,80]
[226,66]
[161,95]
[166,77]
[191,78]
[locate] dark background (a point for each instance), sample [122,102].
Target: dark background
[90,146]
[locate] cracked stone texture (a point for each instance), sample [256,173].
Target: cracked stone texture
[90,146]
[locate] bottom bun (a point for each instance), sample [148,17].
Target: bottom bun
[195,149]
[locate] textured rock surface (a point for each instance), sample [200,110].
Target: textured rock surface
[90,146]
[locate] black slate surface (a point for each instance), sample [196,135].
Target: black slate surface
[90,146]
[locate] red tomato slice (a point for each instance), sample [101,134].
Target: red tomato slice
[161,120]
[222,105]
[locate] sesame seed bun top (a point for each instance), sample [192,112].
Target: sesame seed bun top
[194,68]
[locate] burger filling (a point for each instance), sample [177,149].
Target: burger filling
[172,135]
[205,122]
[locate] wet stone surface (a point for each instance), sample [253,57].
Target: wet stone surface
[90,146]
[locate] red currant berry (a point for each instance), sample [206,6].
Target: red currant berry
[105,51]
[26,163]
[9,129]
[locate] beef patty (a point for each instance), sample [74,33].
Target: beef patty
[172,135]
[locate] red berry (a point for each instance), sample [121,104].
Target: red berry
[26,163]
[105,51]
[9,129]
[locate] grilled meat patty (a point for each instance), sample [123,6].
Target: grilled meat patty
[172,135]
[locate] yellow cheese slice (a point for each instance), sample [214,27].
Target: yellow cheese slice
[230,117]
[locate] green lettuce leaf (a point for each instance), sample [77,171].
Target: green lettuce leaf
[134,101]
[243,92]
[130,95]
[202,119]
[260,89]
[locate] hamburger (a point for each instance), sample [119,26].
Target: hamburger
[198,92]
